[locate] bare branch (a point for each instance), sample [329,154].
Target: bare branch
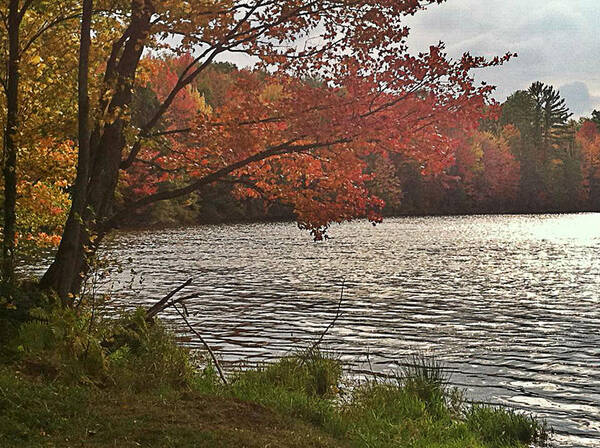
[338,313]
[199,336]
[163,303]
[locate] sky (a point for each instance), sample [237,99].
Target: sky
[557,42]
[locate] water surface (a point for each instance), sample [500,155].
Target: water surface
[510,303]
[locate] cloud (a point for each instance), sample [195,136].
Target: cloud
[578,98]
[557,42]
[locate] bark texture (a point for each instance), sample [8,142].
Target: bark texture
[10,143]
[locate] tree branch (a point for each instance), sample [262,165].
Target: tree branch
[45,28]
[24,9]
[284,148]
[199,336]
[246,183]
[338,313]
[163,303]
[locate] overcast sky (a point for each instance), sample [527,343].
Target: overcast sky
[558,43]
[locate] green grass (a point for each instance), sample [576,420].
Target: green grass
[302,387]
[125,382]
[500,426]
[42,414]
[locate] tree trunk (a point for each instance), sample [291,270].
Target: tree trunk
[10,144]
[99,157]
[66,274]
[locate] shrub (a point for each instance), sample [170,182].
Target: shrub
[501,427]
[16,301]
[302,386]
[60,342]
[145,356]
[75,345]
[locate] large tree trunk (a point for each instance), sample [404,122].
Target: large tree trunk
[10,144]
[70,251]
[94,190]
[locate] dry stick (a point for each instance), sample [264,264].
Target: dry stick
[332,323]
[181,300]
[162,303]
[212,355]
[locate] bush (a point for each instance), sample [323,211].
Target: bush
[60,342]
[16,301]
[75,345]
[146,356]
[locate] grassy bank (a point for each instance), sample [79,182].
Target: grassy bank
[70,379]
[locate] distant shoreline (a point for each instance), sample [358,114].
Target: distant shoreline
[291,219]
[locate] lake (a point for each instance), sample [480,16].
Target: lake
[511,304]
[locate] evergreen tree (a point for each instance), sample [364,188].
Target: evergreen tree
[550,118]
[596,118]
[542,118]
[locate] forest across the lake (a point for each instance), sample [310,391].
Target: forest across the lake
[528,155]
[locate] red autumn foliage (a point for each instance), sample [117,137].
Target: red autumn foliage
[487,169]
[588,140]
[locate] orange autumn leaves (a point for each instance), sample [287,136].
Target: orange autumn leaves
[309,141]
[487,168]
[323,140]
[588,139]
[45,174]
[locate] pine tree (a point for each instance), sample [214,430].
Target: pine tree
[596,118]
[550,118]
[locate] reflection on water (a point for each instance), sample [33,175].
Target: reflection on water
[511,303]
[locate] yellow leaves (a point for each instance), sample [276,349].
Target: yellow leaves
[272,93]
[144,72]
[203,106]
[478,150]
[45,171]
[36,60]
